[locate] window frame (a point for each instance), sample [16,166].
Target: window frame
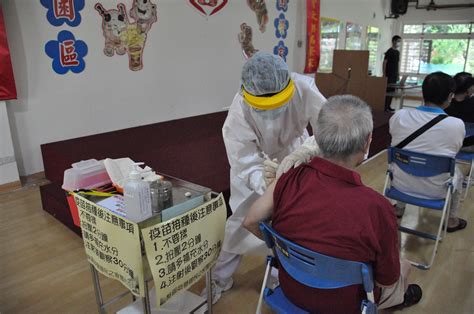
[339,33]
[433,36]
[360,32]
[367,43]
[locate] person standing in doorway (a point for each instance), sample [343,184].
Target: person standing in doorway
[391,65]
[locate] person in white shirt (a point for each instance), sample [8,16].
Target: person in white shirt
[443,139]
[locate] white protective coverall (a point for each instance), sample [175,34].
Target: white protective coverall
[249,138]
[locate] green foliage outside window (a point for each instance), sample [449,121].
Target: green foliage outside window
[445,47]
[446,51]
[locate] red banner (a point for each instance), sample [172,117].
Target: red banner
[313,11]
[7,82]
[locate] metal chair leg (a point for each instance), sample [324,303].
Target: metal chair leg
[437,239]
[209,291]
[146,300]
[468,183]
[98,292]
[264,285]
[440,229]
[448,211]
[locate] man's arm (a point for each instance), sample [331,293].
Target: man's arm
[262,209]
[387,264]
[384,68]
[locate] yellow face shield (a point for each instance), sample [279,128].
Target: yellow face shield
[270,102]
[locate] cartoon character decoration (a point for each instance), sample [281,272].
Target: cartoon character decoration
[144,13]
[282,5]
[114,25]
[260,9]
[123,36]
[281,26]
[281,50]
[245,40]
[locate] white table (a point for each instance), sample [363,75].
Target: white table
[400,90]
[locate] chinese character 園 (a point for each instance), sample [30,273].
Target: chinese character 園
[64,9]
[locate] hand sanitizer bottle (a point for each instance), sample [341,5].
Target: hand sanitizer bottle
[137,196]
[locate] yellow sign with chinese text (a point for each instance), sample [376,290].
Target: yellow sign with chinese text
[112,244]
[182,249]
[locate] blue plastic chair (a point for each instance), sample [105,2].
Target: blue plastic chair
[313,270]
[421,165]
[466,158]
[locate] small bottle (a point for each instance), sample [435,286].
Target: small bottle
[165,195]
[137,196]
[154,190]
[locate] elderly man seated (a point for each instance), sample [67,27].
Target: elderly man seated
[323,206]
[445,138]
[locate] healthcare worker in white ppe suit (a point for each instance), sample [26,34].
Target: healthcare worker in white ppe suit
[266,121]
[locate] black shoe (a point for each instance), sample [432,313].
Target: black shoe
[390,109]
[461,225]
[412,295]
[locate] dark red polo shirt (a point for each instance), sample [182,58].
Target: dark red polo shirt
[326,208]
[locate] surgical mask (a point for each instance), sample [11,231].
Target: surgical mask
[271,114]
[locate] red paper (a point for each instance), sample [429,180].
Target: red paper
[7,81]
[313,11]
